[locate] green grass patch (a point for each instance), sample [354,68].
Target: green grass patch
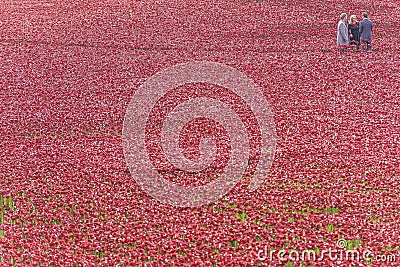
[331,210]
[183,254]
[233,206]
[242,216]
[301,212]
[289,264]
[234,244]
[7,202]
[374,219]
[330,228]
[326,210]
[353,244]
[315,210]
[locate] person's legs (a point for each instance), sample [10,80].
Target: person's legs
[369,47]
[352,44]
[364,45]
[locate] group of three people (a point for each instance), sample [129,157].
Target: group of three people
[354,32]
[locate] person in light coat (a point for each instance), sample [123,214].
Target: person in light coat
[343,32]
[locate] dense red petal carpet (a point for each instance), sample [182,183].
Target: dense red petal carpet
[68,70]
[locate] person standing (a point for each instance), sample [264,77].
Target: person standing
[354,31]
[366,33]
[343,33]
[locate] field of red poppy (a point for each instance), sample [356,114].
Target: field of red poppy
[68,70]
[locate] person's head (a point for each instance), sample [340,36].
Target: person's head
[343,16]
[365,15]
[353,19]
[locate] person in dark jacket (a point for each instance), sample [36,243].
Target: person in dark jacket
[354,31]
[366,33]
